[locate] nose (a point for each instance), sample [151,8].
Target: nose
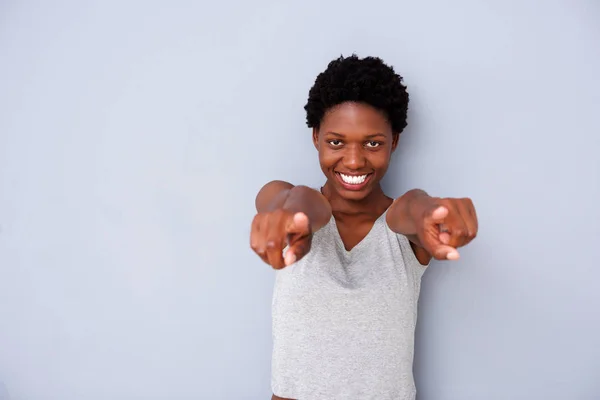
[354,159]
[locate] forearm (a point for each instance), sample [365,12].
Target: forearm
[282,195]
[401,215]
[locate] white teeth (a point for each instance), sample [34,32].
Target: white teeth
[353,179]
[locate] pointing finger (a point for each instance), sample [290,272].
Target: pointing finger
[298,224]
[444,252]
[439,214]
[435,244]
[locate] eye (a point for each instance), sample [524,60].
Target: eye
[373,144]
[335,142]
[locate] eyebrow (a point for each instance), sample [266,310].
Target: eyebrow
[374,135]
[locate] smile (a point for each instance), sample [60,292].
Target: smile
[353,182]
[353,179]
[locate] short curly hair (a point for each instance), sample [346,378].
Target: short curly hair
[368,80]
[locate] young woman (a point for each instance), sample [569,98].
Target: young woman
[349,259]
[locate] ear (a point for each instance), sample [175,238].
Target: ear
[315,136]
[395,137]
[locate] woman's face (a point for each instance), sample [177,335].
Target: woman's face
[355,143]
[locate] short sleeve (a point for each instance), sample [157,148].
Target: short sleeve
[410,259]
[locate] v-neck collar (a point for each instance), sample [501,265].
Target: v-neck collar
[340,243]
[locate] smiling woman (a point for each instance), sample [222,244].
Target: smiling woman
[355,142]
[347,286]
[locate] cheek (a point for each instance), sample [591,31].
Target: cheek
[380,160]
[327,158]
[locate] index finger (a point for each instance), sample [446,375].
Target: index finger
[434,246]
[298,224]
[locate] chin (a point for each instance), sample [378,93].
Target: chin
[354,195]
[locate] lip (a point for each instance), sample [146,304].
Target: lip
[349,186]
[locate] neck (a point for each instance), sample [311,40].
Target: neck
[375,202]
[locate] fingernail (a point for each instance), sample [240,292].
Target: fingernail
[453,255]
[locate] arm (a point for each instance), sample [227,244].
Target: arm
[400,219]
[401,216]
[435,226]
[279,195]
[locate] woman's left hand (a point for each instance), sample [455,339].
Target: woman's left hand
[444,223]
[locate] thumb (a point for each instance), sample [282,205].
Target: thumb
[299,239]
[444,252]
[435,245]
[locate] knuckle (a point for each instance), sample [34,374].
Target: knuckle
[273,239]
[277,263]
[255,245]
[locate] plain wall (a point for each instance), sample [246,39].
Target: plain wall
[135,135]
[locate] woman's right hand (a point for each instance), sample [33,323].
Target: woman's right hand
[273,231]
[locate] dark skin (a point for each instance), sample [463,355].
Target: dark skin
[356,140]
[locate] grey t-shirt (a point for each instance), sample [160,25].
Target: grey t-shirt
[344,321]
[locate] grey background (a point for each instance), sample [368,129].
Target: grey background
[134,136]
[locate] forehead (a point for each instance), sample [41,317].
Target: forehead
[355,118]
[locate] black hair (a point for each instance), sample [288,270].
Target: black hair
[368,80]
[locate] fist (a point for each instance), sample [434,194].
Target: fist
[445,224]
[273,231]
